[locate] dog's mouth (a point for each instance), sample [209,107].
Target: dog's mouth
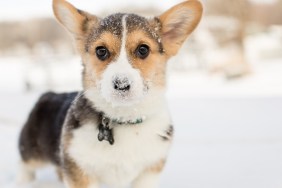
[122,93]
[124,97]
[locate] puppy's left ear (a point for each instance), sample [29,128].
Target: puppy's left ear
[178,22]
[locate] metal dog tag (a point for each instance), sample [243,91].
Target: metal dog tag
[105,133]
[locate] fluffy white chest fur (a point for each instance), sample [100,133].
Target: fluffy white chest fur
[136,147]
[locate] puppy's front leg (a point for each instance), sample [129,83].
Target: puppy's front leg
[150,177]
[80,182]
[147,180]
[74,177]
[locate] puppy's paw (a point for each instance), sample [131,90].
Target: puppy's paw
[25,178]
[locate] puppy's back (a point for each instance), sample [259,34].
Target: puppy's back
[40,136]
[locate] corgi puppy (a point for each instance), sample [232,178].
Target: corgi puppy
[116,132]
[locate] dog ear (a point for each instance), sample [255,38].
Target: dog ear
[178,22]
[74,20]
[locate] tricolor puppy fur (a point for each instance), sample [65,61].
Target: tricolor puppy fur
[117,131]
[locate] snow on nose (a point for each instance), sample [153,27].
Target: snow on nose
[121,83]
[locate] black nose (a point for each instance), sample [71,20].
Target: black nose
[121,84]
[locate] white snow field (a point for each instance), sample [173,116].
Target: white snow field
[228,133]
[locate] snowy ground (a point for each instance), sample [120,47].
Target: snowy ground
[228,134]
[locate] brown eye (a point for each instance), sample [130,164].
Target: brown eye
[102,53]
[142,51]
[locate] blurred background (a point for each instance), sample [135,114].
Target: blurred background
[224,88]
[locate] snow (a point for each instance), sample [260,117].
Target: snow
[264,81]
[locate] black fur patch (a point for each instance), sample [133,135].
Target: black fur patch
[40,136]
[81,112]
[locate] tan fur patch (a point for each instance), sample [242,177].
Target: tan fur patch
[66,139]
[158,167]
[112,43]
[70,172]
[59,173]
[34,164]
[96,66]
[151,68]
[73,175]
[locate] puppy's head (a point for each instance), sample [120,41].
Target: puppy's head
[125,55]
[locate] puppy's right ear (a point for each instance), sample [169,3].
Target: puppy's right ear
[74,20]
[178,23]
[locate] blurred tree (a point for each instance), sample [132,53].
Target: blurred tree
[238,9]
[231,33]
[30,33]
[267,14]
